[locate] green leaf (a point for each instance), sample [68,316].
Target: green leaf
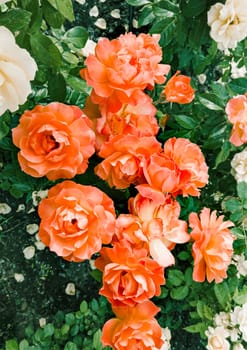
[184,256]
[211,102]
[83,307]
[70,319]
[192,8]
[168,5]
[57,87]
[175,277]
[70,346]
[168,33]
[11,344]
[179,293]
[241,296]
[4,129]
[185,121]
[146,16]
[231,204]
[242,190]
[65,7]
[222,294]
[138,2]
[97,340]
[196,328]
[45,51]
[48,330]
[54,18]
[15,19]
[24,345]
[77,36]
[223,154]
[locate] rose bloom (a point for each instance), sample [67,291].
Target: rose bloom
[124,156]
[179,169]
[133,328]
[3,1]
[217,339]
[228,23]
[17,68]
[55,140]
[76,220]
[212,249]
[178,89]
[236,110]
[130,276]
[161,226]
[239,317]
[122,68]
[239,166]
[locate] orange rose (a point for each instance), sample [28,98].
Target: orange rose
[236,110]
[124,156]
[213,246]
[122,68]
[161,226]
[134,328]
[180,169]
[179,90]
[54,140]
[130,276]
[76,220]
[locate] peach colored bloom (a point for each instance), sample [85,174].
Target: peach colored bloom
[76,220]
[180,169]
[236,110]
[212,249]
[161,226]
[55,140]
[130,276]
[124,156]
[133,328]
[122,68]
[178,89]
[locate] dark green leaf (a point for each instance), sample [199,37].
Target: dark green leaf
[179,293]
[222,294]
[223,154]
[54,18]
[15,19]
[70,346]
[192,8]
[168,32]
[45,51]
[175,277]
[57,87]
[185,121]
[48,330]
[138,2]
[146,16]
[211,102]
[70,319]
[77,36]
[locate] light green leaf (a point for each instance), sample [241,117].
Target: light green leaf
[138,2]
[65,7]
[48,330]
[97,345]
[11,345]
[207,100]
[83,307]
[24,345]
[196,328]
[242,190]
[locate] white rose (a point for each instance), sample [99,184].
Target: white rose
[239,166]
[239,317]
[228,23]
[238,346]
[3,1]
[222,319]
[17,68]
[217,339]
[241,264]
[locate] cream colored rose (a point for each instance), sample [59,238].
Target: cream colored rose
[217,339]
[239,166]
[239,317]
[17,68]
[228,23]
[238,346]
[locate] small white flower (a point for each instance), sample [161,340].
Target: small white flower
[228,23]
[81,2]
[89,48]
[19,277]
[29,252]
[17,69]
[237,72]
[94,12]
[42,322]
[101,23]
[217,339]
[239,166]
[32,228]
[5,208]
[21,207]
[202,78]
[135,23]
[39,245]
[241,264]
[115,13]
[70,289]
[38,195]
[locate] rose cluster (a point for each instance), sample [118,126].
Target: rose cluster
[77,221]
